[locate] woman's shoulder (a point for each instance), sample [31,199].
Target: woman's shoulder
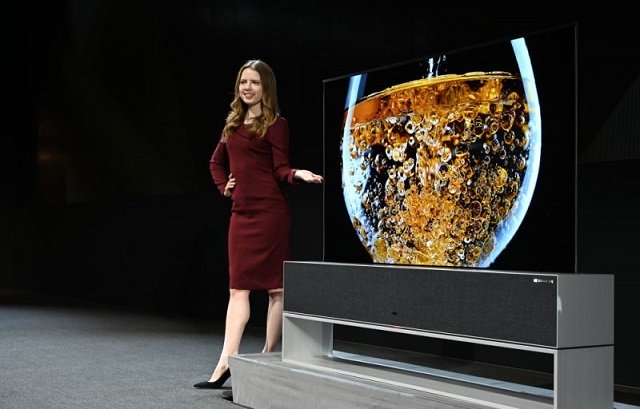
[278,130]
[281,120]
[279,124]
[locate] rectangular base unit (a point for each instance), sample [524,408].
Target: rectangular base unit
[568,317]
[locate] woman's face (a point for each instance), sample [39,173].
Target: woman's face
[250,87]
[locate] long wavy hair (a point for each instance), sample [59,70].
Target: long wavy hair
[270,107]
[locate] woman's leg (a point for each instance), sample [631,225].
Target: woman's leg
[238,312]
[274,320]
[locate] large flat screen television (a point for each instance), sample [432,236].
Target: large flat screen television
[464,158]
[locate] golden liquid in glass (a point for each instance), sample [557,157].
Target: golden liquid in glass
[434,167]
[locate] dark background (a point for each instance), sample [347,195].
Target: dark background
[114,107]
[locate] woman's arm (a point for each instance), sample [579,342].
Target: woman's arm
[218,166]
[278,136]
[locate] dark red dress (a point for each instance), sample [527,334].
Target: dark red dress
[259,229]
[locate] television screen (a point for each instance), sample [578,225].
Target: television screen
[462,159]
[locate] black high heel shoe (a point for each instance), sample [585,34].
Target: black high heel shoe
[217,384]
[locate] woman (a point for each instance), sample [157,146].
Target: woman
[254,147]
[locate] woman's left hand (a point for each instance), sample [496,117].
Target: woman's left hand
[307,176]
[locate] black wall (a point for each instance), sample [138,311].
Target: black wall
[115,108]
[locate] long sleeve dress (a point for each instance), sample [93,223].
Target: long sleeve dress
[259,229]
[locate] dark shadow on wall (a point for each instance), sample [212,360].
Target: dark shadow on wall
[163,253]
[608,225]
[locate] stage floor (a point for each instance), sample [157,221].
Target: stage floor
[61,353]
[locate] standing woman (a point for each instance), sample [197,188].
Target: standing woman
[254,146]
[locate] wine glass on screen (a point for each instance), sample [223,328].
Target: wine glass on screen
[441,170]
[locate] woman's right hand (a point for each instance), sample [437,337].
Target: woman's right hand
[231,184]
